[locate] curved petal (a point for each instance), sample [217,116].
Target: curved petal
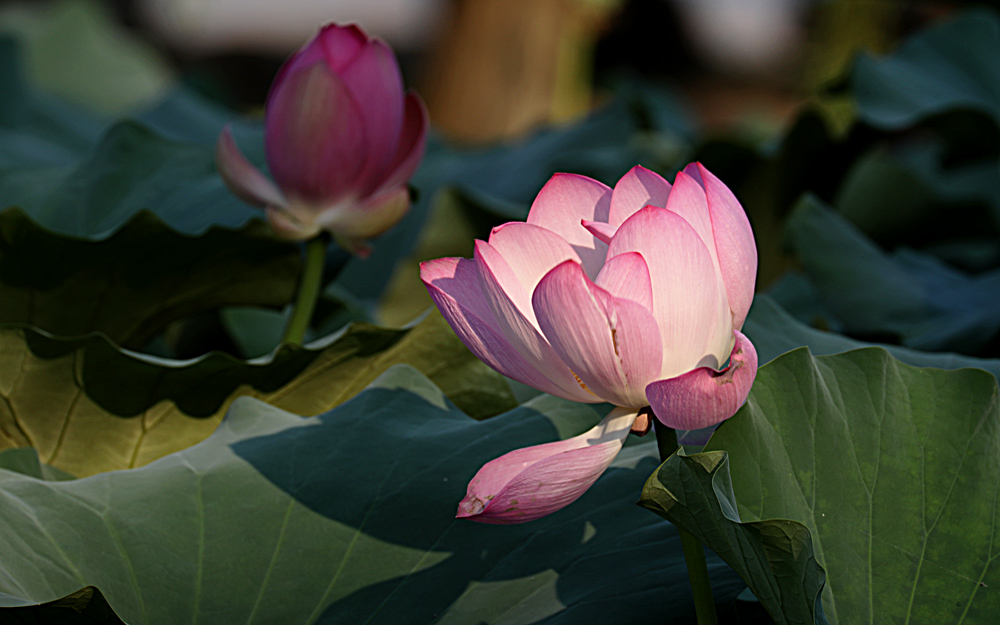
[638,188]
[687,199]
[243,179]
[453,284]
[412,143]
[689,301]
[363,220]
[603,232]
[704,397]
[374,80]
[313,135]
[309,54]
[286,226]
[735,243]
[561,205]
[530,483]
[610,343]
[495,277]
[530,251]
[627,276]
[340,45]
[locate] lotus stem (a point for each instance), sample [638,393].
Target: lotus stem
[309,287]
[694,553]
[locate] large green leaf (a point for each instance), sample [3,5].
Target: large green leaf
[910,297]
[79,50]
[774,332]
[132,284]
[347,518]
[130,170]
[951,66]
[38,128]
[912,195]
[88,406]
[881,477]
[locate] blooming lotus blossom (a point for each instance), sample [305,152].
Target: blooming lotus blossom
[633,296]
[341,139]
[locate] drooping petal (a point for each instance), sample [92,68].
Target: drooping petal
[529,483]
[453,284]
[704,397]
[241,177]
[314,139]
[689,302]
[374,80]
[412,143]
[496,277]
[530,251]
[610,343]
[627,276]
[735,243]
[638,188]
[561,205]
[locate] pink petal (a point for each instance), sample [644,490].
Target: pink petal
[364,220]
[566,200]
[286,225]
[453,284]
[521,333]
[609,342]
[689,301]
[313,135]
[529,483]
[687,199]
[334,45]
[412,143]
[530,251]
[603,232]
[374,80]
[339,44]
[704,397]
[627,276]
[735,243]
[243,179]
[638,188]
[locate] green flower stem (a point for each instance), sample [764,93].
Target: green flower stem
[309,286]
[694,553]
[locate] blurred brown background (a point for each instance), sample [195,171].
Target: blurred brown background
[496,69]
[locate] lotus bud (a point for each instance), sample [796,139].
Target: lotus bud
[341,139]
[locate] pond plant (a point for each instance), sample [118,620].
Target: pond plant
[200,423]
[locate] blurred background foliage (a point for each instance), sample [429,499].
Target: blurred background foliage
[781,98]
[861,136]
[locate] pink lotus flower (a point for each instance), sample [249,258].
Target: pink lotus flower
[633,296]
[341,138]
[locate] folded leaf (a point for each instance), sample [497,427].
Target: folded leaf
[88,406]
[881,477]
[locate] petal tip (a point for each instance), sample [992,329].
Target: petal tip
[470,507]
